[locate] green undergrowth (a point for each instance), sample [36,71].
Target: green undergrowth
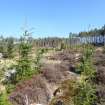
[82,91]
[4,99]
[86,90]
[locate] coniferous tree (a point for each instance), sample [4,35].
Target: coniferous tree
[24,69]
[10,46]
[86,90]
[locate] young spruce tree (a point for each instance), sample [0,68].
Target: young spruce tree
[24,69]
[86,91]
[10,47]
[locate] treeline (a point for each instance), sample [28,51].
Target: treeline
[9,45]
[92,32]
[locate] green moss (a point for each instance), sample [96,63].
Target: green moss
[4,100]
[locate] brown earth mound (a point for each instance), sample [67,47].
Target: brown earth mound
[40,89]
[99,62]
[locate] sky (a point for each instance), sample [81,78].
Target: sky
[50,18]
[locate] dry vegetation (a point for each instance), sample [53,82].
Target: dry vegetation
[55,84]
[99,62]
[41,88]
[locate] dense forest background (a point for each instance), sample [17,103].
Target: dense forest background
[7,44]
